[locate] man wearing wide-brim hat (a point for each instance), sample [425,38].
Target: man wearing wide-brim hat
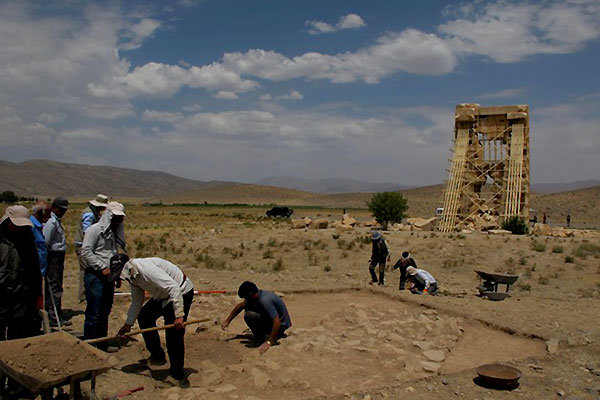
[89,216]
[57,248]
[100,243]
[21,283]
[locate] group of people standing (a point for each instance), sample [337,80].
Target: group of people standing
[420,280]
[33,248]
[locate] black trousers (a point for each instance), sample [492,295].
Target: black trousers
[149,313]
[13,328]
[54,283]
[372,266]
[260,325]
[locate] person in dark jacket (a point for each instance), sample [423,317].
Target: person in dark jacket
[21,278]
[404,262]
[379,255]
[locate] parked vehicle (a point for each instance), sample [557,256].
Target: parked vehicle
[280,212]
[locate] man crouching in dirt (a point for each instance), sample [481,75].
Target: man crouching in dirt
[421,281]
[171,297]
[265,314]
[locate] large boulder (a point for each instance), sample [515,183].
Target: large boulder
[348,220]
[542,229]
[319,224]
[424,224]
[298,224]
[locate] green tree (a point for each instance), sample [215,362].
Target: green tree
[516,225]
[8,197]
[387,207]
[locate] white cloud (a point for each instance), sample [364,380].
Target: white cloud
[90,133]
[349,21]
[140,31]
[265,97]
[292,95]
[409,51]
[504,94]
[225,95]
[163,116]
[192,107]
[565,141]
[189,3]
[509,31]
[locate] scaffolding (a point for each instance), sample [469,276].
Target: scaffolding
[488,177]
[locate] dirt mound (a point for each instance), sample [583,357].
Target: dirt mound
[51,357]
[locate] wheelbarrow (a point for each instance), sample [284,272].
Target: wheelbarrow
[43,363]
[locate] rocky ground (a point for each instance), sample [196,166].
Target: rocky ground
[353,341]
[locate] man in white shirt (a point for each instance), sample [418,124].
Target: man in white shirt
[171,295]
[422,281]
[56,242]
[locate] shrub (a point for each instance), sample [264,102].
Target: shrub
[543,280]
[558,249]
[537,246]
[569,259]
[587,249]
[327,268]
[523,260]
[267,254]
[278,265]
[524,286]
[387,207]
[516,224]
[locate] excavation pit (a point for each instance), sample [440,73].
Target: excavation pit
[341,342]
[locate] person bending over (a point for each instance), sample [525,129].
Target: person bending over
[171,295]
[422,281]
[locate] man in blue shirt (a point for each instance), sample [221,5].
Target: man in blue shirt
[40,215]
[265,314]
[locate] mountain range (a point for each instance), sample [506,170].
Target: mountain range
[50,178]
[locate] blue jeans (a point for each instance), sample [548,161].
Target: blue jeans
[99,294]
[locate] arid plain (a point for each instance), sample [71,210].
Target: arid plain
[351,340]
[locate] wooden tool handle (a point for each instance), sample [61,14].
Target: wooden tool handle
[157,328]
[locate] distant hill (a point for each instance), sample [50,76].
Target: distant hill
[563,187]
[330,185]
[51,178]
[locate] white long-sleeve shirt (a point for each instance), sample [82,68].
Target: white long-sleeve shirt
[161,278]
[425,277]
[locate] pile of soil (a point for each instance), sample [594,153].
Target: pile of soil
[51,357]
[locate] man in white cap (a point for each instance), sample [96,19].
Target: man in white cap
[422,281]
[379,255]
[101,242]
[89,216]
[20,276]
[171,295]
[56,242]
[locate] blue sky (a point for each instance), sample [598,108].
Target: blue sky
[242,90]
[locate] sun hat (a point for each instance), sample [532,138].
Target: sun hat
[411,270]
[116,208]
[18,215]
[61,202]
[376,235]
[99,201]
